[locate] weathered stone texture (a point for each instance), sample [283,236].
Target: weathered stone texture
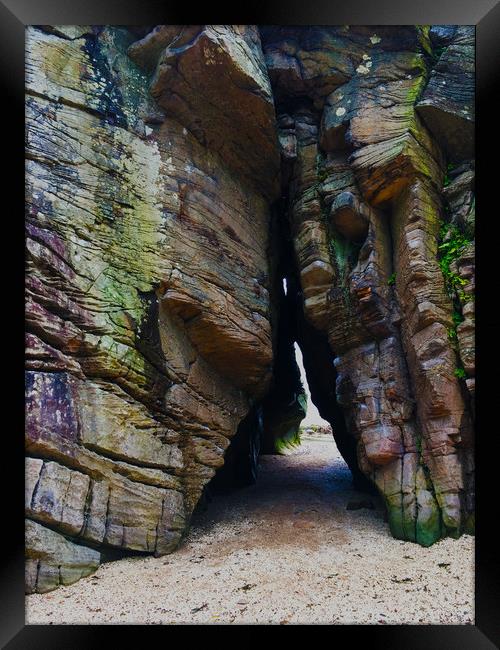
[447,104]
[366,181]
[156,158]
[53,560]
[212,79]
[148,332]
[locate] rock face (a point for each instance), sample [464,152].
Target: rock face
[447,104]
[173,182]
[365,201]
[148,311]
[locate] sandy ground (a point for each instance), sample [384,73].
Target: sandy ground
[283,551]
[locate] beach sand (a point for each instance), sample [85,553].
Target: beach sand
[283,551]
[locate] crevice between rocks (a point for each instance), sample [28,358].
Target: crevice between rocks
[273,422]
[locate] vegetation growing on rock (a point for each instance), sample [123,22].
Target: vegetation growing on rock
[173,183]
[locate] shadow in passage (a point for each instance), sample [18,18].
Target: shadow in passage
[284,479]
[301,497]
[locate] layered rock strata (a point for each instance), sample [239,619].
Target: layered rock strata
[366,203]
[148,328]
[157,327]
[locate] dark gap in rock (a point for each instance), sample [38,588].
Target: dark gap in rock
[295,105]
[109,554]
[148,342]
[241,457]
[274,423]
[321,378]
[318,357]
[285,405]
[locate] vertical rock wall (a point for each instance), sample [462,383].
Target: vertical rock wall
[152,312]
[367,157]
[148,331]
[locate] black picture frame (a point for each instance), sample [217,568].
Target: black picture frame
[485,15]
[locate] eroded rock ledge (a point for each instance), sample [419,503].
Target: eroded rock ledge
[172,183]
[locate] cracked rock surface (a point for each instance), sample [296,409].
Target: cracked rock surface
[175,177]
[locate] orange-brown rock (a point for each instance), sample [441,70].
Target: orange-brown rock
[365,208]
[176,177]
[148,311]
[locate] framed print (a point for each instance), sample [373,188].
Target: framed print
[250,320]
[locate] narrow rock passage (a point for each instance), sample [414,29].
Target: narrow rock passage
[286,550]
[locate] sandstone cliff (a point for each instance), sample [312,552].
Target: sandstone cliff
[174,177]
